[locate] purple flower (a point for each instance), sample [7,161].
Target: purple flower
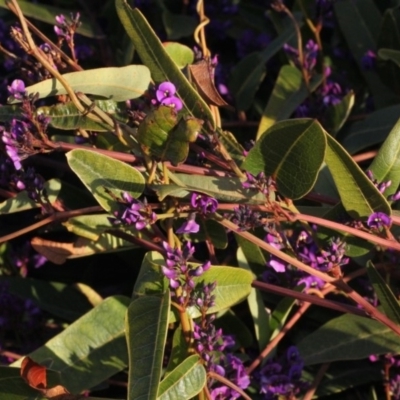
[165,90]
[133,212]
[246,218]
[203,203]
[190,226]
[379,220]
[17,89]
[368,61]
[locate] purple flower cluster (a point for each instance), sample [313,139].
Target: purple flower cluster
[310,55]
[392,369]
[212,345]
[133,212]
[180,273]
[382,186]
[264,184]
[189,226]
[17,89]
[32,182]
[368,61]
[64,28]
[245,218]
[165,96]
[329,259]
[282,377]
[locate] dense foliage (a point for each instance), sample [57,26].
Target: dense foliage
[199,199]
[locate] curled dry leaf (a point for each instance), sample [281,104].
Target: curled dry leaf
[35,375]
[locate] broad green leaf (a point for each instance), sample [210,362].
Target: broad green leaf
[253,254]
[338,114]
[222,188]
[178,25]
[372,130]
[246,78]
[89,226]
[358,194]
[47,13]
[162,135]
[146,326]
[13,387]
[67,117]
[184,382]
[90,350]
[234,284]
[252,67]
[388,301]
[99,172]
[288,93]
[348,337]
[386,164]
[357,28]
[57,298]
[292,152]
[161,65]
[59,252]
[180,54]
[260,317]
[114,83]
[210,230]
[22,202]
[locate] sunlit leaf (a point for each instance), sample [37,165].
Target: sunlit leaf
[118,84]
[185,381]
[100,174]
[180,54]
[292,152]
[166,137]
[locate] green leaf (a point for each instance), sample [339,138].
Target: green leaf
[337,115]
[89,226]
[180,54]
[146,327]
[114,83]
[13,387]
[288,93]
[177,25]
[67,117]
[388,301]
[358,194]
[348,337]
[47,13]
[162,67]
[357,27]
[57,298]
[386,164]
[372,130]
[98,172]
[185,381]
[90,350]
[163,136]
[389,54]
[292,152]
[22,202]
[252,67]
[222,188]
